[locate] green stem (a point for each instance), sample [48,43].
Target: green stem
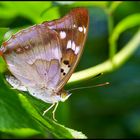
[112,47]
[109,11]
[107,66]
[114,5]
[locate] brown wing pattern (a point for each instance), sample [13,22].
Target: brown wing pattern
[72,31]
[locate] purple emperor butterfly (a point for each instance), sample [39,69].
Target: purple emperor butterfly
[42,58]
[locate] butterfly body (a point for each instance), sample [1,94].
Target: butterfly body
[43,57]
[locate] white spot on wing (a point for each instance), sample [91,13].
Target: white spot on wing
[84,30]
[62,34]
[74,26]
[77,50]
[80,29]
[69,44]
[73,46]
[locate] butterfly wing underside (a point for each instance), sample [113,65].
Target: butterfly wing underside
[33,57]
[44,56]
[72,31]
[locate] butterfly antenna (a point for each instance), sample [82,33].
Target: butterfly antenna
[94,77]
[99,85]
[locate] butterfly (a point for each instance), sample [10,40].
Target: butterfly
[42,58]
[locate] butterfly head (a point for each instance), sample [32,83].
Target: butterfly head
[64,95]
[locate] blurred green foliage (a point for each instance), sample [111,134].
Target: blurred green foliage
[104,112]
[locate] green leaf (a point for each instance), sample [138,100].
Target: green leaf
[113,6]
[14,119]
[6,12]
[2,33]
[29,10]
[63,2]
[22,132]
[85,3]
[58,130]
[2,63]
[49,14]
[20,117]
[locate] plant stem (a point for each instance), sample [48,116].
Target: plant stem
[112,47]
[109,11]
[107,66]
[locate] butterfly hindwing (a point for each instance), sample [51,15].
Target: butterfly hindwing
[35,57]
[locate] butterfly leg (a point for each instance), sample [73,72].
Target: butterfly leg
[48,109]
[55,111]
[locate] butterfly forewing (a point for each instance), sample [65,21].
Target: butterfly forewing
[72,31]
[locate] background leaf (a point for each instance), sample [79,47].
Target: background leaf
[2,33]
[12,114]
[58,130]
